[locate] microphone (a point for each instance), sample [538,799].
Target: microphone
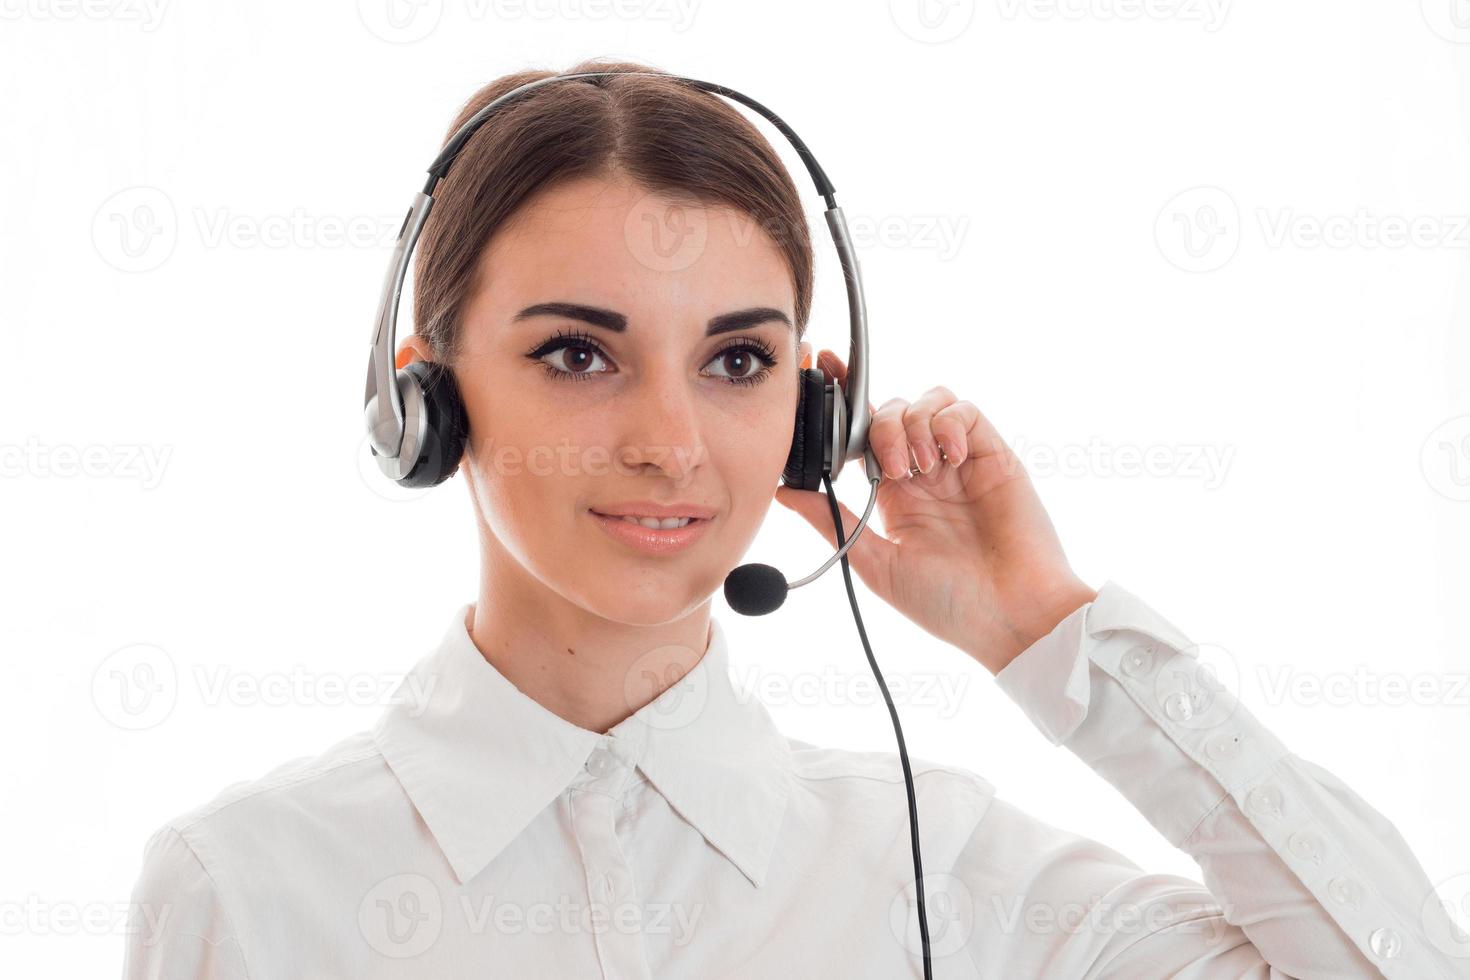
[756,589]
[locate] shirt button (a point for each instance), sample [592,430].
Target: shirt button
[1345,891]
[600,762]
[1224,746]
[1139,661]
[1265,801]
[1178,706]
[605,884]
[1385,943]
[1306,845]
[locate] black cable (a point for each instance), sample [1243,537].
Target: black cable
[903,754]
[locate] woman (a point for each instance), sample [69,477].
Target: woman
[619,275]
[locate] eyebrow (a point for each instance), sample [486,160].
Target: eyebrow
[617,323]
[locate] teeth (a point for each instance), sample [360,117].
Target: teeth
[653,523]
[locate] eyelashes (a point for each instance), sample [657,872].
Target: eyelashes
[580,340]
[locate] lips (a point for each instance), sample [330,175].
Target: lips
[652,509]
[654,541]
[656,523]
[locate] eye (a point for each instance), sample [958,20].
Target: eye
[569,356]
[572,356]
[740,358]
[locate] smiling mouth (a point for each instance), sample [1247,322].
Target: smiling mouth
[653,536]
[652,523]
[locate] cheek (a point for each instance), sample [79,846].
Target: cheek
[766,438]
[535,465]
[751,454]
[525,461]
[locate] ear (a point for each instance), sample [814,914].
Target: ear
[804,353]
[411,348]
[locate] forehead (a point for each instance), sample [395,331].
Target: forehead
[608,239]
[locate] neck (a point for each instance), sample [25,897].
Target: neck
[589,670]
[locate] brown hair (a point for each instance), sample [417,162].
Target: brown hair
[664,134]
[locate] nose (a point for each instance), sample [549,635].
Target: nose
[662,425]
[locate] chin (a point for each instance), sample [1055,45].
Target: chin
[647,598]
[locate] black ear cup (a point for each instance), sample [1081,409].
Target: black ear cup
[448,425]
[804,462]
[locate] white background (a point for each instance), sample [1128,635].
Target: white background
[1175,229]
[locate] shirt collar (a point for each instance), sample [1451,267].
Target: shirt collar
[480,759]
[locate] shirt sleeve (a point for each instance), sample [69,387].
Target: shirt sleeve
[1302,877]
[177,928]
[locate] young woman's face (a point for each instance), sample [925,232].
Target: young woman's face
[570,417]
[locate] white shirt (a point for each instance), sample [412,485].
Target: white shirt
[473,833]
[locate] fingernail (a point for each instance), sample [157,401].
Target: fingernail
[895,465]
[924,453]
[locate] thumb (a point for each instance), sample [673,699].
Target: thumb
[870,556]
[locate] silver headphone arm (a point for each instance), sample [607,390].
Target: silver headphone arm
[850,440]
[385,416]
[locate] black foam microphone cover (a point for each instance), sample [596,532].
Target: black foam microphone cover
[755,589]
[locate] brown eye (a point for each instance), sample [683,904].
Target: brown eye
[745,363]
[738,363]
[570,357]
[574,359]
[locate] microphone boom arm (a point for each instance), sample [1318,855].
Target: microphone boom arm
[875,474]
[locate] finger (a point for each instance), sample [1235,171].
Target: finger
[832,367]
[965,428]
[886,438]
[951,426]
[916,426]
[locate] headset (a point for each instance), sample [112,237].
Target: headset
[418,427]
